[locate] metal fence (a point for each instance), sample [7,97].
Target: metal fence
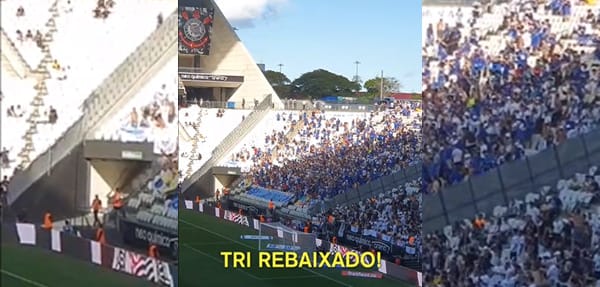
[288,105]
[510,181]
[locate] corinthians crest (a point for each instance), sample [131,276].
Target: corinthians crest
[194,30]
[195,27]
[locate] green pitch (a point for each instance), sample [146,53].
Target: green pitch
[203,237]
[24,266]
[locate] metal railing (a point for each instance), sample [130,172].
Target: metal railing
[210,71]
[307,105]
[289,105]
[511,181]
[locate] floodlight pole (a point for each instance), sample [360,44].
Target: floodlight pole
[356,74]
[280,65]
[381,89]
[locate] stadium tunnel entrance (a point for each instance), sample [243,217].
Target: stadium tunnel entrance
[217,178]
[225,176]
[116,164]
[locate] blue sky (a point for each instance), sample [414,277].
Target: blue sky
[305,35]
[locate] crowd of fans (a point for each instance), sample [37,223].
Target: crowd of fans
[551,238]
[393,216]
[504,82]
[501,82]
[330,154]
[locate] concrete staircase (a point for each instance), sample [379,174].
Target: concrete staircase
[42,75]
[290,136]
[195,140]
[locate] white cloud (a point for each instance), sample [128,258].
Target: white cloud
[243,13]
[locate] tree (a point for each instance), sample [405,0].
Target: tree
[390,85]
[276,78]
[321,83]
[280,83]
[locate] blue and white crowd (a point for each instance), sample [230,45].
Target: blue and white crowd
[517,81]
[393,216]
[502,82]
[330,154]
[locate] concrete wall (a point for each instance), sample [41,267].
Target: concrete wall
[114,164]
[228,56]
[60,191]
[119,151]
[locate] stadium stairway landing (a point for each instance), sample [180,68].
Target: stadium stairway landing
[104,102]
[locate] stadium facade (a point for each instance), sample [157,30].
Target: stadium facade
[222,76]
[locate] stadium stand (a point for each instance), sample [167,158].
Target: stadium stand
[331,147]
[393,216]
[300,160]
[155,202]
[206,128]
[502,82]
[548,239]
[249,153]
[136,121]
[60,71]
[66,84]
[516,79]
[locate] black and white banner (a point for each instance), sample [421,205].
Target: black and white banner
[237,218]
[143,235]
[142,266]
[81,248]
[371,242]
[195,29]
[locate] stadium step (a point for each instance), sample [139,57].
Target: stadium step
[195,140]
[290,137]
[33,119]
[7,68]
[12,58]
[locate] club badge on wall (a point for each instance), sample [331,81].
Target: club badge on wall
[195,28]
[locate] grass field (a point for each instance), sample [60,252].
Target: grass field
[203,237]
[24,266]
